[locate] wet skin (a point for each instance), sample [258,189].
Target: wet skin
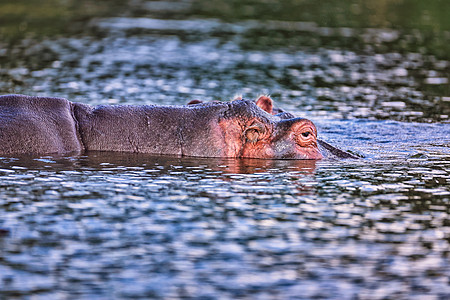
[266,103]
[240,129]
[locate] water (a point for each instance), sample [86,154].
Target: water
[116,225]
[120,225]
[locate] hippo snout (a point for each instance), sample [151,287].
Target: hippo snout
[296,138]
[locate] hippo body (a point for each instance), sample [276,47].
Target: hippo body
[241,128]
[171,130]
[37,125]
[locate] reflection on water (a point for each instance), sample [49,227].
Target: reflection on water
[120,225]
[96,160]
[97,225]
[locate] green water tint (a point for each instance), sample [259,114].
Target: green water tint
[23,18]
[415,14]
[430,18]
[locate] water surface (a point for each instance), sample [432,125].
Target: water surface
[117,225]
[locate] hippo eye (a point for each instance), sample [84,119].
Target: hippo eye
[306,134]
[306,137]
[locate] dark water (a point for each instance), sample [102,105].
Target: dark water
[115,226]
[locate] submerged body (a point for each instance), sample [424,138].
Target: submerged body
[241,128]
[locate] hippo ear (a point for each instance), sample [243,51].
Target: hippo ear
[254,133]
[194,102]
[265,103]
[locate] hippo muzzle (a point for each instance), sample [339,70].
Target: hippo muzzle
[296,139]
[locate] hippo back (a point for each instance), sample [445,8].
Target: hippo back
[168,130]
[37,125]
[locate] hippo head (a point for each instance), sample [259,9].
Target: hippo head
[250,130]
[253,133]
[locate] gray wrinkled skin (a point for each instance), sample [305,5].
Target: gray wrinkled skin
[174,130]
[55,125]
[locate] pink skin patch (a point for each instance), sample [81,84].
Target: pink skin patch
[265,103]
[257,140]
[260,140]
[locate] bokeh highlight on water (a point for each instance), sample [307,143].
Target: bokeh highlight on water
[120,225]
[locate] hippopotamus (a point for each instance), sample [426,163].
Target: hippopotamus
[236,129]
